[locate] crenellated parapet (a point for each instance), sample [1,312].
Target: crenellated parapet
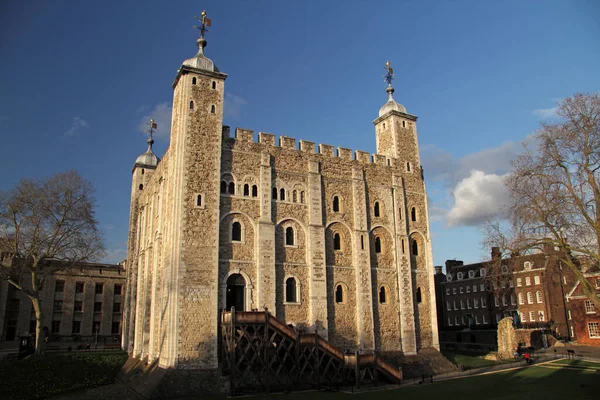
[304,146]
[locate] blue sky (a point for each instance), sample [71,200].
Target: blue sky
[79,78]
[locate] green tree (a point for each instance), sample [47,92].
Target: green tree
[47,225]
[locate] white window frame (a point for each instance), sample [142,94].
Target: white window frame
[521,298]
[527,281]
[536,280]
[538,297]
[448,306]
[468,288]
[453,290]
[482,287]
[541,316]
[482,272]
[532,316]
[589,307]
[474,288]
[483,302]
[484,317]
[461,290]
[298,298]
[519,282]
[459,276]
[462,304]
[449,321]
[593,330]
[447,291]
[468,304]
[529,298]
[475,302]
[471,274]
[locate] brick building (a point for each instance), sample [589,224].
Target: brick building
[332,241]
[530,288]
[78,303]
[584,318]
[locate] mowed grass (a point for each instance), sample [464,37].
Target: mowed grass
[468,361]
[578,363]
[39,378]
[523,384]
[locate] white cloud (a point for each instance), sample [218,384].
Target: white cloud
[115,256]
[477,197]
[546,113]
[77,124]
[233,105]
[161,114]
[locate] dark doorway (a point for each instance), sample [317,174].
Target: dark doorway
[236,285]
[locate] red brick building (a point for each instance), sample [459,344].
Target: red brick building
[584,318]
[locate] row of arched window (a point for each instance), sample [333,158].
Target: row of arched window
[298,196]
[229,188]
[340,294]
[212,107]
[378,212]
[538,298]
[214,83]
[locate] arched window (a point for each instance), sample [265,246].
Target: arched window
[142,171]
[289,236]
[223,187]
[408,166]
[403,245]
[141,187]
[282,194]
[199,200]
[302,197]
[214,85]
[290,291]
[337,243]
[336,204]
[382,293]
[212,109]
[376,211]
[236,232]
[339,294]
[274,193]
[246,190]
[191,105]
[529,298]
[295,196]
[413,214]
[538,296]
[415,248]
[419,297]
[193,81]
[377,244]
[362,242]
[521,299]
[231,188]
[254,191]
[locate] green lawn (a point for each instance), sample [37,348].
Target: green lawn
[58,373]
[578,363]
[468,360]
[534,382]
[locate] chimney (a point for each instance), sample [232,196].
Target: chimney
[495,253]
[548,248]
[438,269]
[452,263]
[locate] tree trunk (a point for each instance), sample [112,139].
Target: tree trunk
[39,334]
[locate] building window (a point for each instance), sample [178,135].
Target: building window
[456,321]
[469,304]
[78,306]
[471,274]
[536,279]
[337,242]
[521,299]
[447,291]
[415,248]
[597,283]
[474,288]
[519,282]
[191,105]
[481,287]
[116,307]
[282,194]
[339,294]
[290,290]
[593,330]
[468,288]
[419,297]
[59,286]
[57,305]
[413,214]
[523,317]
[96,327]
[482,272]
[376,210]
[336,204]
[504,300]
[246,190]
[212,109]
[511,284]
[448,306]
[115,328]
[236,232]
[382,295]
[475,302]
[572,331]
[527,281]
[214,85]
[377,244]
[55,328]
[569,314]
[289,236]
[529,298]
[477,320]
[504,269]
[76,327]
[98,306]
[589,307]
[459,276]
[483,302]
[454,305]
[484,317]
[532,316]
[231,188]
[449,321]
[362,242]
[199,200]
[254,191]
[295,196]
[461,290]
[274,193]
[541,316]
[453,290]
[462,304]
[404,251]
[496,302]
[141,187]
[99,288]
[223,187]
[408,166]
[527,266]
[538,296]
[513,300]
[193,81]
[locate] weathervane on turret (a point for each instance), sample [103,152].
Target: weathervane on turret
[390,73]
[204,23]
[151,128]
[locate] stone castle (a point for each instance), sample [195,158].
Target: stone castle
[329,240]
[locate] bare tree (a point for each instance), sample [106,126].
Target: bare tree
[47,225]
[555,191]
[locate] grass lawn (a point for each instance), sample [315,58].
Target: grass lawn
[468,361]
[524,384]
[578,363]
[58,373]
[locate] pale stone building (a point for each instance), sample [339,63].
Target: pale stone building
[326,239]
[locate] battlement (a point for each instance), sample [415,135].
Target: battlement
[286,142]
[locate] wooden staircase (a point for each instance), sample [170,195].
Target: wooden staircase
[261,354]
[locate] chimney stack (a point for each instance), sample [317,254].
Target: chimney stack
[438,269]
[495,253]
